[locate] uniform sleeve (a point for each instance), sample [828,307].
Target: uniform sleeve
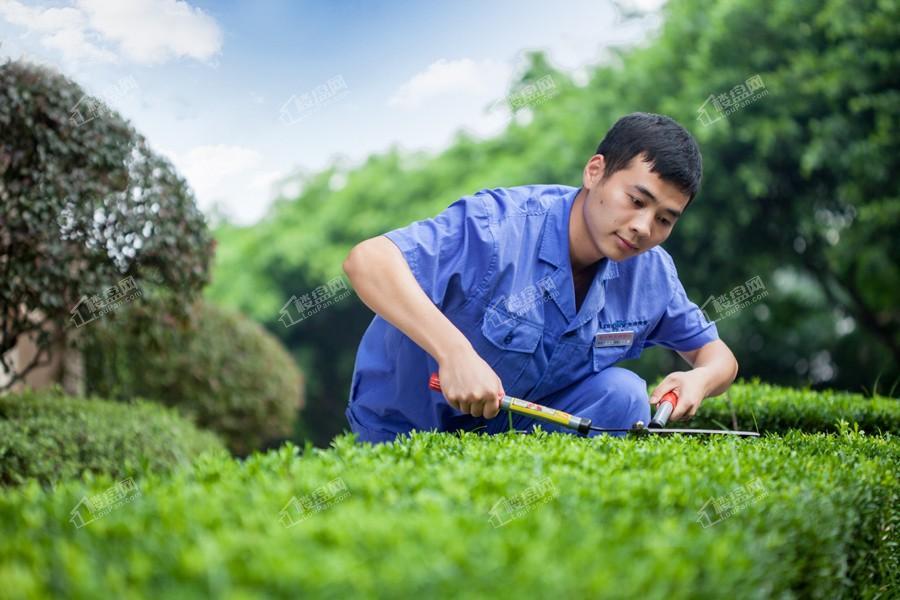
[451,254]
[683,326]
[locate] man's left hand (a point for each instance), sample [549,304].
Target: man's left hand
[689,386]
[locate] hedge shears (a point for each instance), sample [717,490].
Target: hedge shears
[583,425]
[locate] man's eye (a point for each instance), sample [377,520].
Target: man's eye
[665,222]
[636,201]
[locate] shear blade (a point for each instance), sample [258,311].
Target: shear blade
[642,431]
[713,431]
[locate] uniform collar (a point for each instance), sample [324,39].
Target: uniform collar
[554,249]
[555,238]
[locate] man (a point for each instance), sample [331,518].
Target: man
[536,292]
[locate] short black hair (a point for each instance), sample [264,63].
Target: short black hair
[669,148]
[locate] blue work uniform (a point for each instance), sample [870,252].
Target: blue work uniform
[496,264]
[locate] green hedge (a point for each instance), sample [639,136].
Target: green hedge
[223,370]
[778,409]
[623,522]
[52,437]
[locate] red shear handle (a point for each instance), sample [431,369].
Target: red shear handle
[434,382]
[664,409]
[670,397]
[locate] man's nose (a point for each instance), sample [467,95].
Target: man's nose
[641,226]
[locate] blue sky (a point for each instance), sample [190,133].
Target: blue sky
[206,82]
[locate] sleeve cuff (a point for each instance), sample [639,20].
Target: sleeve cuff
[407,249]
[698,340]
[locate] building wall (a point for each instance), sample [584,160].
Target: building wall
[65,366]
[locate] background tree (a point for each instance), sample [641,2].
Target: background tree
[84,203]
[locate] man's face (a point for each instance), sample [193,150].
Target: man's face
[620,213]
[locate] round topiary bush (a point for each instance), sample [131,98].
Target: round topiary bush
[218,367]
[52,437]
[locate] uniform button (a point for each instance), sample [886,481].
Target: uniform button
[508,338]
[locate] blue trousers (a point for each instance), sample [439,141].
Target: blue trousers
[615,398]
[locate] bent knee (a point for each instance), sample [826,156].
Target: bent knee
[635,389]
[627,392]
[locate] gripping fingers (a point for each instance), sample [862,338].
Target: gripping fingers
[476,408]
[682,412]
[487,407]
[491,409]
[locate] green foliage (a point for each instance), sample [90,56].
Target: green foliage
[623,522]
[798,184]
[84,205]
[773,409]
[218,367]
[51,438]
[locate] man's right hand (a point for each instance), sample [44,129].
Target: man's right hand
[470,385]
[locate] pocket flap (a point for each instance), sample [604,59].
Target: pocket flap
[509,333]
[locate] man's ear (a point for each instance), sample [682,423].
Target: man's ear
[593,171]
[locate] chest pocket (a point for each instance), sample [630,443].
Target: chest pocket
[607,356]
[510,345]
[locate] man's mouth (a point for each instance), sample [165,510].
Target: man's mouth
[629,245]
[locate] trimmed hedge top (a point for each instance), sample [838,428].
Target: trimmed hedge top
[773,408]
[429,516]
[51,437]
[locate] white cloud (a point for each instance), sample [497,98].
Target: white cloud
[207,166]
[43,20]
[264,183]
[142,31]
[63,29]
[647,5]
[465,77]
[149,31]
[74,45]
[233,178]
